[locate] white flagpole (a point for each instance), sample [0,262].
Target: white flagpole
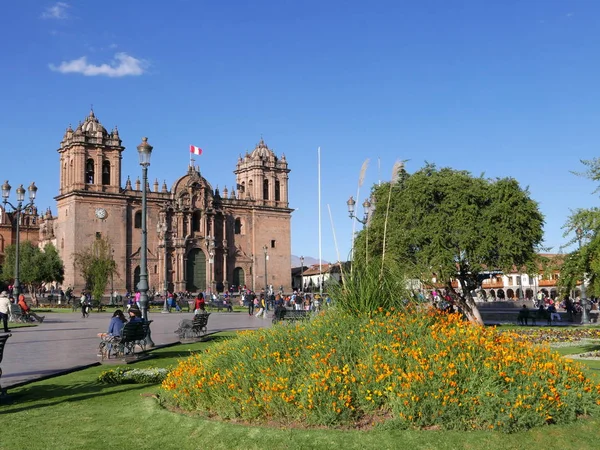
[319,189]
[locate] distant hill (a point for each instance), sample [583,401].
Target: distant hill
[308,261]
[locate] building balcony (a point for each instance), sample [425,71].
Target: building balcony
[546,283]
[486,284]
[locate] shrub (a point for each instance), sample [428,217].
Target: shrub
[414,369]
[126,375]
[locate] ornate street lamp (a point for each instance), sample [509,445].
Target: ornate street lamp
[144,151]
[366,205]
[18,209]
[585,319]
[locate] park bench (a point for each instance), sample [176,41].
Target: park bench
[216,304]
[284,314]
[195,328]
[133,335]
[3,340]
[16,314]
[533,316]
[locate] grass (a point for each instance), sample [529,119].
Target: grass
[74,411]
[13,325]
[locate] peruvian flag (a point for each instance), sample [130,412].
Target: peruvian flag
[195,150]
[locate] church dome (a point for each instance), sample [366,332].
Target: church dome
[262,151]
[91,124]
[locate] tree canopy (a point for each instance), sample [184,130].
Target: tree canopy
[96,264]
[583,231]
[36,267]
[446,224]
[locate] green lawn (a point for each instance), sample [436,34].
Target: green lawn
[74,411]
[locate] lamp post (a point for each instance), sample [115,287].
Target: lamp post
[161,228]
[366,205]
[302,273]
[144,151]
[18,209]
[585,319]
[266,276]
[112,279]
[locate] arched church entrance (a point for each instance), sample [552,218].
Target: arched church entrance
[239,278]
[196,271]
[136,277]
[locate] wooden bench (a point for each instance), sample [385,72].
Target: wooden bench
[283,314]
[133,335]
[3,340]
[533,317]
[193,329]
[215,304]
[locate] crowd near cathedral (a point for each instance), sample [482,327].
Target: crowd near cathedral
[199,238]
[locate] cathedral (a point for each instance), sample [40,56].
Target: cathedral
[199,239]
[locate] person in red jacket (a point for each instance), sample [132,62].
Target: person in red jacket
[199,304]
[27,311]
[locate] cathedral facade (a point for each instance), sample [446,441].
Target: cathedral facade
[199,239]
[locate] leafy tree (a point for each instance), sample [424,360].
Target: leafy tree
[585,259]
[96,264]
[37,267]
[446,225]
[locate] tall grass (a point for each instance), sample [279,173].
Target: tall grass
[370,287]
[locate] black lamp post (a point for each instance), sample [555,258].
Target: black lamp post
[144,151]
[366,205]
[585,319]
[18,209]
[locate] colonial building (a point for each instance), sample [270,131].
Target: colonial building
[198,237]
[28,227]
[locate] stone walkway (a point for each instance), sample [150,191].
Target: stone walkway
[66,341]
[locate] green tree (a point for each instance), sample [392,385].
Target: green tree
[37,267]
[446,225]
[96,264]
[585,259]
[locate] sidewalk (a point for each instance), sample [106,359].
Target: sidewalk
[66,341]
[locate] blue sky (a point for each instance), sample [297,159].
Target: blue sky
[502,87]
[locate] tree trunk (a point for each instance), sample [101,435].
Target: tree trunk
[467,304]
[33,294]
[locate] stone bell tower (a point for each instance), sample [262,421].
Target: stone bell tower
[90,158]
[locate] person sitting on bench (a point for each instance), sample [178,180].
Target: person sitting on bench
[554,315]
[27,311]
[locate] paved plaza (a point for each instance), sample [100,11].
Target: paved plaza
[66,341]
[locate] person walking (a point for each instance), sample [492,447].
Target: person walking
[4,310]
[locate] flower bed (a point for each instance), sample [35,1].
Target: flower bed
[406,369]
[556,335]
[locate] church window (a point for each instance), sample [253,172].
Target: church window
[277,191]
[266,190]
[89,171]
[196,221]
[238,226]
[105,173]
[273,242]
[250,188]
[98,235]
[242,187]
[137,219]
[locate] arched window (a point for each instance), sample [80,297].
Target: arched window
[65,177]
[277,191]
[105,173]
[266,190]
[196,221]
[238,226]
[250,189]
[89,171]
[137,219]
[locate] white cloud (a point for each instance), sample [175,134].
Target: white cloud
[56,11]
[122,66]
[570,14]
